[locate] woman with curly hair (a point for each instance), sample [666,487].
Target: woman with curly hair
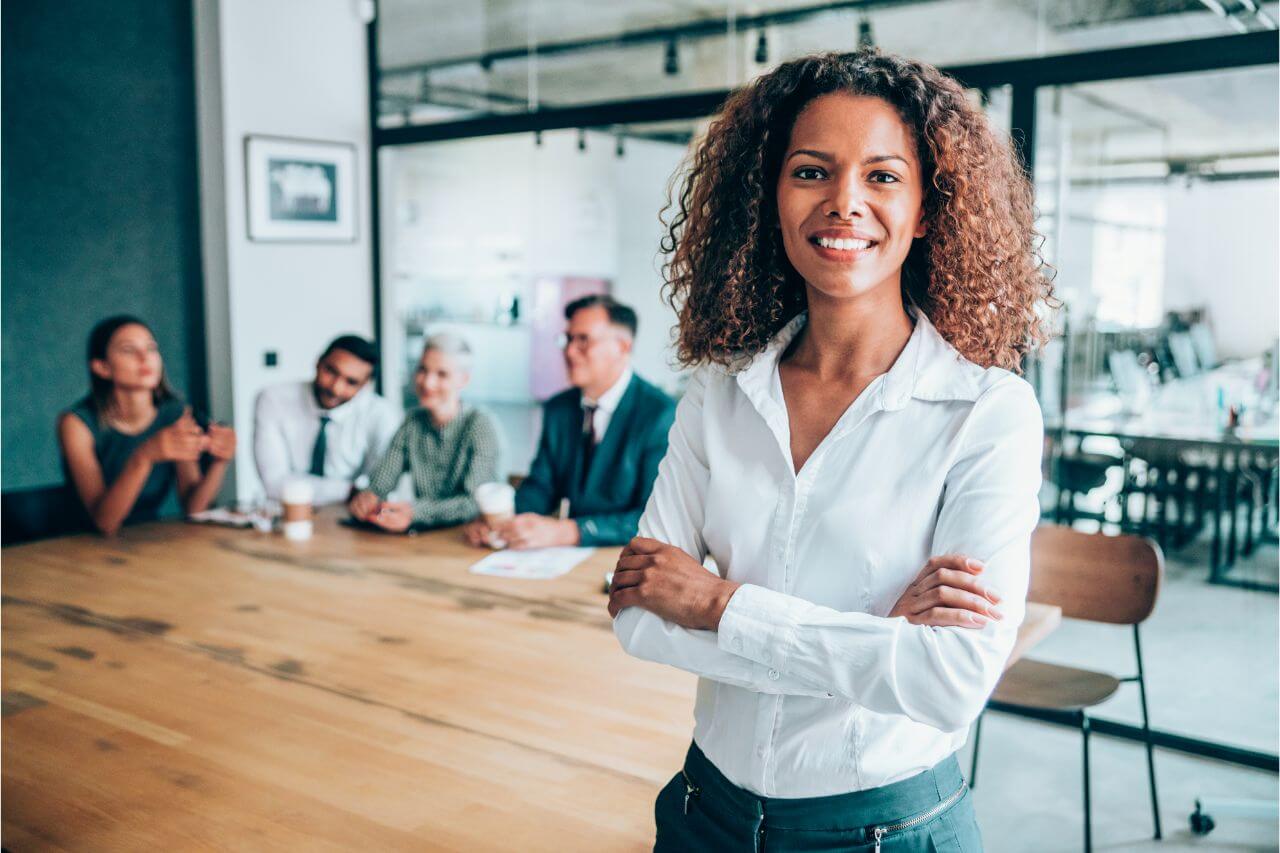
[855,270]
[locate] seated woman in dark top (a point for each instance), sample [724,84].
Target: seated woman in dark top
[127,443]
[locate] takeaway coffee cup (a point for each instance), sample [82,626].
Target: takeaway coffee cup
[497,503]
[297,498]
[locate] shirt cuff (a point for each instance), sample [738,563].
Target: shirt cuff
[758,624]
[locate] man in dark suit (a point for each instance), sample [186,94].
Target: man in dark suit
[601,441]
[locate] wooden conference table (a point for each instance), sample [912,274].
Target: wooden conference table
[188,687]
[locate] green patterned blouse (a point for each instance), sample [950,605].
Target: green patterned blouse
[447,464]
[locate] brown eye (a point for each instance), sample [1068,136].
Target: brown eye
[808,173]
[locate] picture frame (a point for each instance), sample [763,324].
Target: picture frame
[300,190]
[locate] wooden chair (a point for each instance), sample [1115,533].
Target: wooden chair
[1112,579]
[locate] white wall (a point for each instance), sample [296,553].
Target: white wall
[642,178]
[1221,252]
[292,68]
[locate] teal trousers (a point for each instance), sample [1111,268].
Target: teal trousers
[701,810]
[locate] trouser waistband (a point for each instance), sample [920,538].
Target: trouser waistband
[854,810]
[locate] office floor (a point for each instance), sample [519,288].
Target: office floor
[1212,664]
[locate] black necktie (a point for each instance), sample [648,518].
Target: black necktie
[588,439]
[317,452]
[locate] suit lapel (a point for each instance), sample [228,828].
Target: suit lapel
[611,445]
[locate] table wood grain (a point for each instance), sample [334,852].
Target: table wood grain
[189,687]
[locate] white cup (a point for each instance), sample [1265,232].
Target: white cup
[297,497]
[497,502]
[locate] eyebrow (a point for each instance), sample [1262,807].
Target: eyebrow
[827,158]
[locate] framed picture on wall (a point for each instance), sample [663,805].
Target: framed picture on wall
[300,190]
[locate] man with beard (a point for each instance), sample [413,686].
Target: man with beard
[331,430]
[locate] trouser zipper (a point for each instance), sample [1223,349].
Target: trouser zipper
[690,790]
[888,829]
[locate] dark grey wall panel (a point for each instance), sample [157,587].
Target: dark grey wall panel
[100,208]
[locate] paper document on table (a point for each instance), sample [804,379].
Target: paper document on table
[535,564]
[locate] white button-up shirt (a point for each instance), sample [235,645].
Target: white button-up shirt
[808,688]
[285,425]
[608,404]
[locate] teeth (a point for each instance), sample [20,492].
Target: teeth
[844,245]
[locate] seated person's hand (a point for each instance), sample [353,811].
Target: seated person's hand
[180,441]
[395,517]
[947,593]
[364,505]
[221,441]
[666,581]
[530,530]
[476,533]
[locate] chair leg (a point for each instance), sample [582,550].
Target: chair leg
[1146,733]
[977,739]
[1088,813]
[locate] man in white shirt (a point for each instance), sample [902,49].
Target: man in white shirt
[330,430]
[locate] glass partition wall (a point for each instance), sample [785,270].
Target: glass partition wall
[524,154]
[490,238]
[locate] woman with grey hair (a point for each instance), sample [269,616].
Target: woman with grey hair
[447,446]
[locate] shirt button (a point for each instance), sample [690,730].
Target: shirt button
[737,643]
[760,751]
[773,675]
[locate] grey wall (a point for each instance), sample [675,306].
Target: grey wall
[100,212]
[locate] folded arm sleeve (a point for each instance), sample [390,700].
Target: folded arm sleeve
[674,515]
[937,676]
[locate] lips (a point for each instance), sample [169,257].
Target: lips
[842,246]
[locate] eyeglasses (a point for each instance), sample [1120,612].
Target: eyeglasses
[582,342]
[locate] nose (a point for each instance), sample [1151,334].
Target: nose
[848,197]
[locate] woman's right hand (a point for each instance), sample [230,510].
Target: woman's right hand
[364,505]
[180,441]
[947,593]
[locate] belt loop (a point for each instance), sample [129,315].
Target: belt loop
[758,843]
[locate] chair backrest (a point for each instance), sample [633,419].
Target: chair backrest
[1206,348]
[1132,381]
[1183,349]
[39,513]
[1094,576]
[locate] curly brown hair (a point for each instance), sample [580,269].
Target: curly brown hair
[977,273]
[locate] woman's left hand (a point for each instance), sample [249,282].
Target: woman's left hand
[947,594]
[668,582]
[395,517]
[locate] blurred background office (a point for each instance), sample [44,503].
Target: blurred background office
[506,157]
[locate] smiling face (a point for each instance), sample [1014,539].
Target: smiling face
[439,381]
[339,377]
[133,359]
[595,350]
[850,195]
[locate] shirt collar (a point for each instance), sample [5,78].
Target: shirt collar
[928,368]
[609,400]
